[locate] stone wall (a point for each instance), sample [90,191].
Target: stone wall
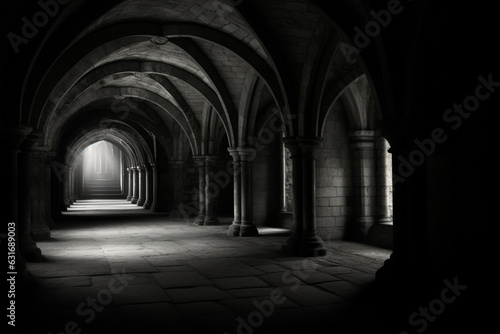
[334,201]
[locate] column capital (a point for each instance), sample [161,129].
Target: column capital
[303,146]
[233,152]
[363,135]
[199,160]
[247,153]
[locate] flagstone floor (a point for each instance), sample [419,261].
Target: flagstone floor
[110,271]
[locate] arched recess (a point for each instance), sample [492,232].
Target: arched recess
[88,99]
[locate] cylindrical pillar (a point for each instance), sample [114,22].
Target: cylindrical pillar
[384,182]
[364,161]
[154,185]
[27,245]
[247,229]
[142,185]
[135,185]
[130,184]
[211,192]
[234,229]
[149,187]
[39,185]
[201,161]
[304,241]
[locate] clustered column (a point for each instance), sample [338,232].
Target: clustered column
[142,187]
[242,225]
[304,241]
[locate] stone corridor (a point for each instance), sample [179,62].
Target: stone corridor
[183,278]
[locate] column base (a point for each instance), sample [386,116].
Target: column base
[31,252]
[304,246]
[129,198]
[248,231]
[234,230]
[199,220]
[147,205]
[140,202]
[134,200]
[209,221]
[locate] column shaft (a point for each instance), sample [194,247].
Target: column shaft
[234,229]
[304,241]
[149,187]
[211,192]
[27,245]
[130,185]
[142,185]
[364,161]
[135,185]
[247,229]
[154,185]
[39,186]
[200,219]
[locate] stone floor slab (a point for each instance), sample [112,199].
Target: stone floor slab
[239,282]
[197,294]
[181,279]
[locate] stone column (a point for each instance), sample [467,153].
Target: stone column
[149,187]
[384,182]
[201,161]
[66,183]
[211,192]
[27,245]
[142,185]
[11,139]
[304,241]
[71,188]
[247,156]
[130,184]
[135,185]
[381,232]
[39,186]
[154,187]
[234,229]
[49,206]
[364,172]
[177,174]
[410,255]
